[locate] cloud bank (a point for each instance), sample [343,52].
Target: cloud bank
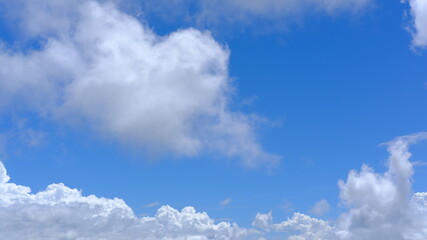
[97,66]
[60,212]
[419,22]
[380,206]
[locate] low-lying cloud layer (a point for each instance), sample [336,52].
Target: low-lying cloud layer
[380,206]
[99,67]
[60,212]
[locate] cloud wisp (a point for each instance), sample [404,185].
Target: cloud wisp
[225,12]
[380,206]
[320,208]
[101,68]
[225,202]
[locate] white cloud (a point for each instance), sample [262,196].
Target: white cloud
[320,208]
[102,68]
[4,178]
[263,221]
[380,206]
[419,28]
[299,227]
[303,227]
[60,212]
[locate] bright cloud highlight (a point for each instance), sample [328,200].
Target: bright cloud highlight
[100,67]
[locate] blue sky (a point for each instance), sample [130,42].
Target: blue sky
[315,91]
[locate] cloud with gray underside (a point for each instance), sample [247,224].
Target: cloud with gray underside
[101,68]
[379,206]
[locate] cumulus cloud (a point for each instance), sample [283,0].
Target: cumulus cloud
[60,212]
[419,27]
[263,221]
[380,206]
[100,67]
[299,226]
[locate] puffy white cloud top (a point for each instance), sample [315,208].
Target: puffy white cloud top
[4,178]
[60,212]
[419,14]
[380,206]
[100,67]
[298,227]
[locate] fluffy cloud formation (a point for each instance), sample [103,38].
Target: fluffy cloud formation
[299,227]
[60,212]
[419,28]
[99,67]
[380,206]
